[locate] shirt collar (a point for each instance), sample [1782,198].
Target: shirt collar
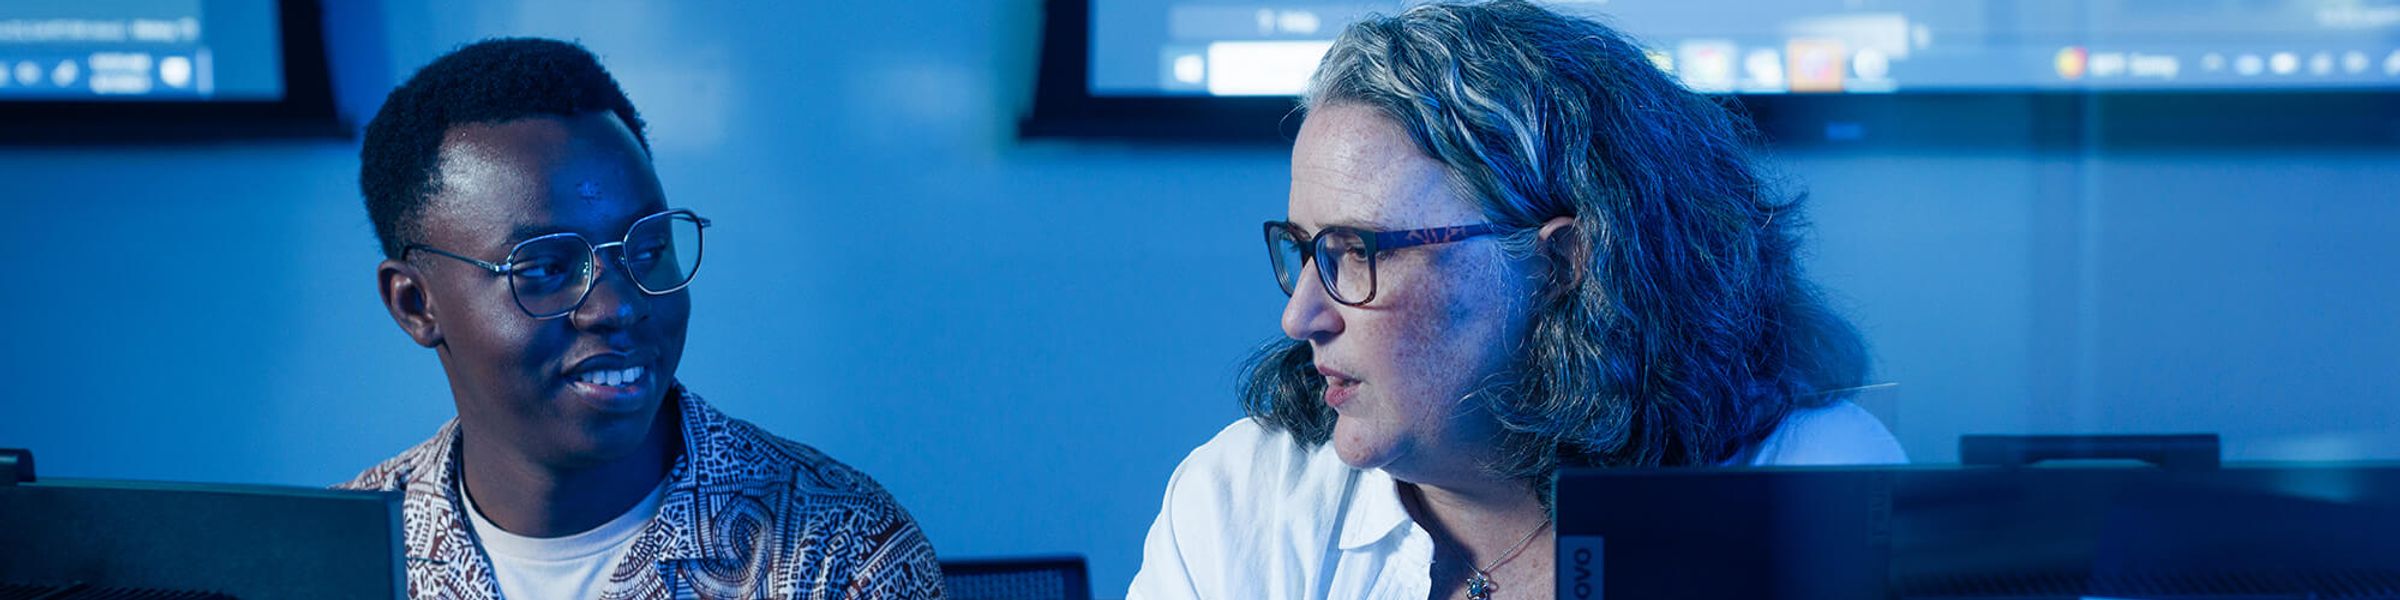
[687,525]
[436,533]
[1371,510]
[431,494]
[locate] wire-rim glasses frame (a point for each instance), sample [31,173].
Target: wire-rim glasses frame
[593,260]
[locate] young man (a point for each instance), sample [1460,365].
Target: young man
[528,243]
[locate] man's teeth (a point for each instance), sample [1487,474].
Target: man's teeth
[612,378]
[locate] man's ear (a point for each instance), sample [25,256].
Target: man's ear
[403,289]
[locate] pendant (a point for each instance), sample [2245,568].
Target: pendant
[1480,587]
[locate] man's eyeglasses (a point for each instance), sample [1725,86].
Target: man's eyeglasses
[1345,256]
[550,275]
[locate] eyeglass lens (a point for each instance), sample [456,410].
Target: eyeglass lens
[552,275]
[1344,264]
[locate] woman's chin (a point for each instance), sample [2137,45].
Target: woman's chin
[1359,448]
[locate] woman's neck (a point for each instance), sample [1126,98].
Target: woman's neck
[1496,509]
[1498,529]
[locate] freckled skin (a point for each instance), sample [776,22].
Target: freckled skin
[1445,317]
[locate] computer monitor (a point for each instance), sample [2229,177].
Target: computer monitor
[81,71]
[2170,70]
[2246,531]
[1059,577]
[244,541]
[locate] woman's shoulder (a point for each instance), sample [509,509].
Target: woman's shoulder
[1248,510]
[1835,434]
[1251,473]
[1249,458]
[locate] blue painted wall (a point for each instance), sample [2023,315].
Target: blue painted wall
[1020,340]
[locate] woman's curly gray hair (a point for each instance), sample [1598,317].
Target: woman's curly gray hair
[1676,327]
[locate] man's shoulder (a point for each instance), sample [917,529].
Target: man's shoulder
[817,490]
[743,454]
[394,474]
[857,531]
[805,487]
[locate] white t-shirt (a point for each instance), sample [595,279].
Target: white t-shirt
[571,566]
[1251,515]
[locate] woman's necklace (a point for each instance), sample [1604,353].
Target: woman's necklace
[1479,585]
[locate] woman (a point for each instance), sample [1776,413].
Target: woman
[1513,244]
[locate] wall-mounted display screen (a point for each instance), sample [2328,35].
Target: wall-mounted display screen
[1268,47]
[140,50]
[106,71]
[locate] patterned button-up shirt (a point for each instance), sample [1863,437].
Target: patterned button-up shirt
[748,515]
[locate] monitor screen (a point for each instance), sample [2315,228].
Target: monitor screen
[140,50]
[245,541]
[146,71]
[1169,48]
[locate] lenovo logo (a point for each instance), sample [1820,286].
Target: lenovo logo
[1579,575]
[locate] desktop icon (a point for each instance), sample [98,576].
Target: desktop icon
[65,73]
[2070,62]
[1707,65]
[1871,64]
[1182,68]
[175,71]
[1764,66]
[1816,64]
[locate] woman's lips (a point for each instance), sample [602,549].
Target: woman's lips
[1337,395]
[1339,387]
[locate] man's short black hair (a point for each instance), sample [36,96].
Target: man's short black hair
[492,81]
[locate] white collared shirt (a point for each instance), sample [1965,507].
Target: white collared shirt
[1251,515]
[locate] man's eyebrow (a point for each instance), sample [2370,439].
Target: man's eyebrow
[521,233]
